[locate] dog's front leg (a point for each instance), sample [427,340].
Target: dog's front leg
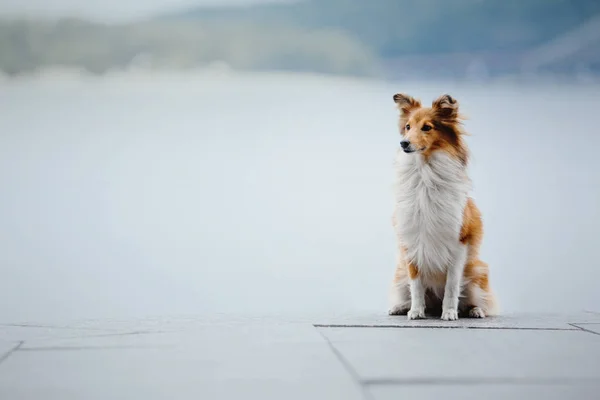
[453,285]
[417,294]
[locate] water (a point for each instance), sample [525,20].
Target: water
[140,195]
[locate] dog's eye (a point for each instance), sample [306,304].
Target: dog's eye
[426,128]
[407,127]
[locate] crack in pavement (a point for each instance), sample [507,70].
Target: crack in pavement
[70,328]
[516,328]
[585,329]
[81,348]
[480,381]
[4,356]
[348,367]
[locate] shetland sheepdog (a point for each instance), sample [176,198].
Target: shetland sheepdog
[438,226]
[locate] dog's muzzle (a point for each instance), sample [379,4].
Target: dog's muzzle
[406,146]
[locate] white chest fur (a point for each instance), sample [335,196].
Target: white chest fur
[430,200]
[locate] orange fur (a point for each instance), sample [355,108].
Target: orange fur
[413,271]
[443,119]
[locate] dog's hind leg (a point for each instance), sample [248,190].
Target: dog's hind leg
[478,297]
[400,293]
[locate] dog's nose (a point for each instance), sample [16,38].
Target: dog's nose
[404,144]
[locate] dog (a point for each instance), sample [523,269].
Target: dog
[438,226]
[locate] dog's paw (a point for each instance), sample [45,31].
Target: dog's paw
[476,312]
[397,310]
[450,315]
[416,313]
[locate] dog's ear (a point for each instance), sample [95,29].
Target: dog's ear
[446,107]
[406,103]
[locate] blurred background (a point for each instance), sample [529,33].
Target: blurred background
[235,157]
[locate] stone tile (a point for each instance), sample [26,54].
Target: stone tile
[489,392]
[235,333]
[511,321]
[378,353]
[221,323]
[25,332]
[265,362]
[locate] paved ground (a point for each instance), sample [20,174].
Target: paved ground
[362,357]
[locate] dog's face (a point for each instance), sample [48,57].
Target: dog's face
[425,129]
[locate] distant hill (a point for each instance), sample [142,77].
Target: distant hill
[30,45]
[392,28]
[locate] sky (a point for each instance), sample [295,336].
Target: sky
[109,10]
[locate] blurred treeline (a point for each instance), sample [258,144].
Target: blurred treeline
[331,36]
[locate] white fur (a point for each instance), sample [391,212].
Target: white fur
[430,199]
[454,285]
[417,294]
